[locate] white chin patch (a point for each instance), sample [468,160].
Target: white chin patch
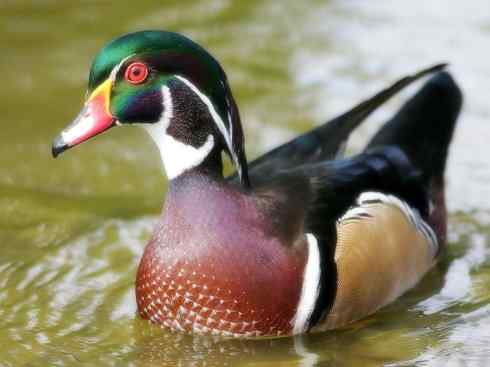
[177,157]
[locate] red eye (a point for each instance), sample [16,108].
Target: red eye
[136,73]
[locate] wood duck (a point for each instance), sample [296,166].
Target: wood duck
[299,240]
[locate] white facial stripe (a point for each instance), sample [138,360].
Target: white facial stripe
[216,117]
[116,68]
[311,286]
[177,157]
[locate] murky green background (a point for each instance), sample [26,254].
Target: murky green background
[72,230]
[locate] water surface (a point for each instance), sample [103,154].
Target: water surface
[72,230]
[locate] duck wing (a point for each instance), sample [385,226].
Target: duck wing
[367,217]
[326,141]
[354,209]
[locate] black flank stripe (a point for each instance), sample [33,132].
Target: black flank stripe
[371,201]
[328,277]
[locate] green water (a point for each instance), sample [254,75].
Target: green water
[72,230]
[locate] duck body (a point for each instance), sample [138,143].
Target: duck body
[262,263]
[298,240]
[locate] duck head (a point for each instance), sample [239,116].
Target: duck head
[172,87]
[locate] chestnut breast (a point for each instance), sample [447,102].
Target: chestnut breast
[212,267]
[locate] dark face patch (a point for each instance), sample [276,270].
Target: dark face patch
[137,103]
[144,107]
[192,122]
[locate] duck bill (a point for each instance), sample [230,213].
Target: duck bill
[94,119]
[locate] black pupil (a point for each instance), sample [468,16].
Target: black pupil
[136,71]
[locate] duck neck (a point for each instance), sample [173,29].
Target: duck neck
[186,135]
[211,168]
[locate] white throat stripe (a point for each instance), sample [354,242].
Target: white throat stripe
[177,157]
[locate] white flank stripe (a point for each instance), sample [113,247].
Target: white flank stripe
[216,117]
[177,157]
[311,285]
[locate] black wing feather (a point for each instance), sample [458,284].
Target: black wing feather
[311,199]
[325,142]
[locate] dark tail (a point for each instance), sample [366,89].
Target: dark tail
[327,140]
[423,129]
